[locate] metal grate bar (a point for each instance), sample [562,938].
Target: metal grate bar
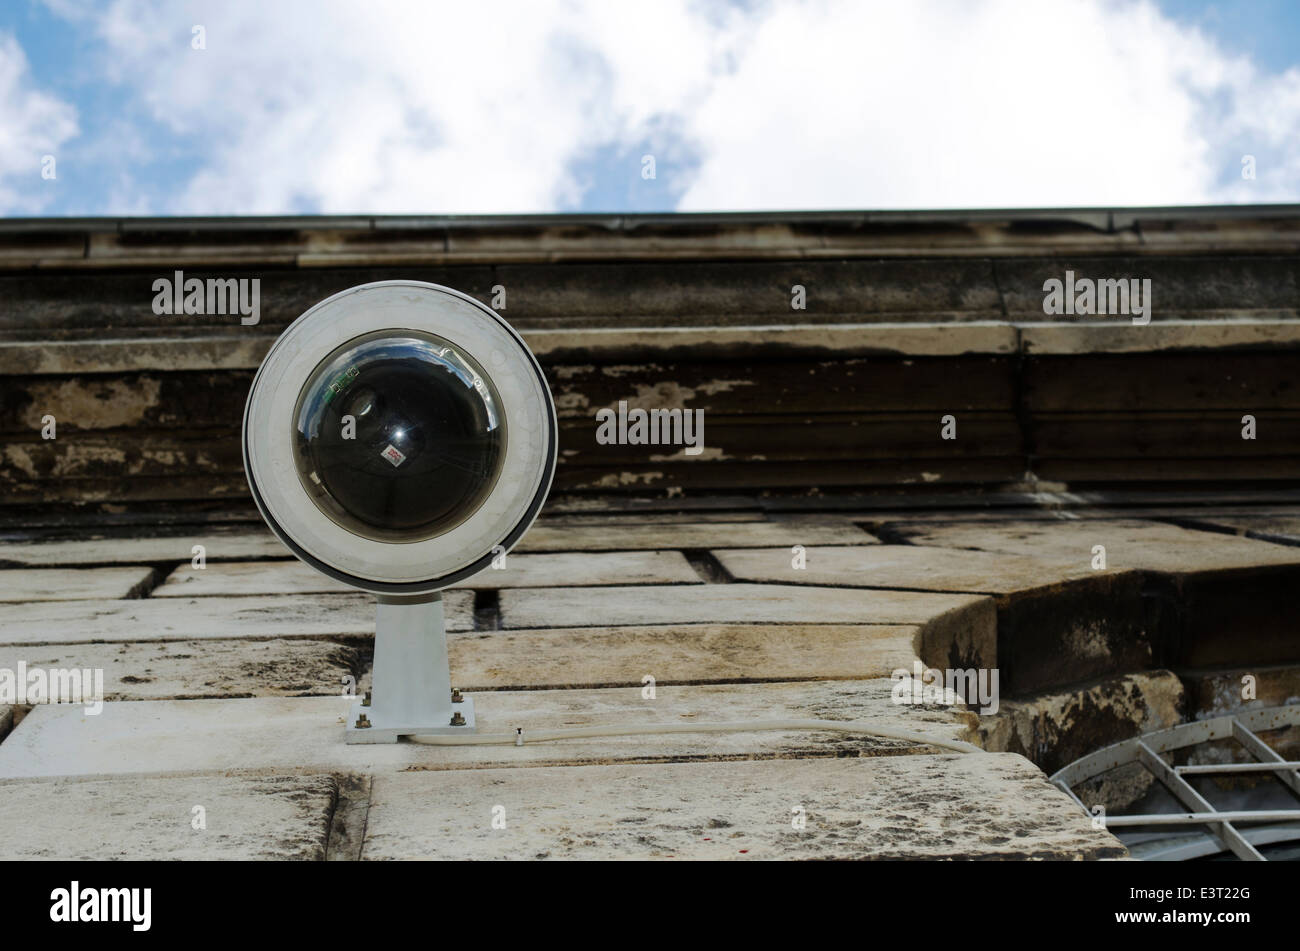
[1189,797]
[1212,768]
[1262,751]
[1198,818]
[1065,788]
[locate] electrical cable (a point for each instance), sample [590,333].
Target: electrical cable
[520,736]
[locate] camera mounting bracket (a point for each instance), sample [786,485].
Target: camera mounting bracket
[411,680]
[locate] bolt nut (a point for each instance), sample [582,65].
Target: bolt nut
[363,722]
[365,701]
[456,696]
[457,719]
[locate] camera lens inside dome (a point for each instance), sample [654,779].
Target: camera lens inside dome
[398,436]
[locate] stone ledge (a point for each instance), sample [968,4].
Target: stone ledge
[731,604]
[925,338]
[198,669]
[180,619]
[73,584]
[719,651]
[678,654]
[974,806]
[560,569]
[342,240]
[272,817]
[276,735]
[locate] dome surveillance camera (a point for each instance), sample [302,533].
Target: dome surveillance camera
[397,437]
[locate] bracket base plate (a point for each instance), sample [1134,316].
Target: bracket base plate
[384,729]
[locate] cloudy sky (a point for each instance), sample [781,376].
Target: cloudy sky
[159,107]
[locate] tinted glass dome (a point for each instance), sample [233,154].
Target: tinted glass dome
[398,436]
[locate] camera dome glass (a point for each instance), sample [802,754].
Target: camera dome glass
[398,436]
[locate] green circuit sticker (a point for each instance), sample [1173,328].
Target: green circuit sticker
[340,383]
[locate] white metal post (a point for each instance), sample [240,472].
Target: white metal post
[411,681]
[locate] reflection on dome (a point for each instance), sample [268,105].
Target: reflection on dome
[398,436]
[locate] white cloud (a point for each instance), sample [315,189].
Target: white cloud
[935,104]
[335,106]
[33,124]
[382,107]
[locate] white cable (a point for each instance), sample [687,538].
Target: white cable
[520,736]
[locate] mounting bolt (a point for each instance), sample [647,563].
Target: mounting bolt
[365,701]
[363,722]
[457,719]
[456,695]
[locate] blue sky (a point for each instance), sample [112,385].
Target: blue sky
[1268,31]
[555,105]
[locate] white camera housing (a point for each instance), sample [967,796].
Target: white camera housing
[397,437]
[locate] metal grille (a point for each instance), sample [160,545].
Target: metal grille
[1220,826]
